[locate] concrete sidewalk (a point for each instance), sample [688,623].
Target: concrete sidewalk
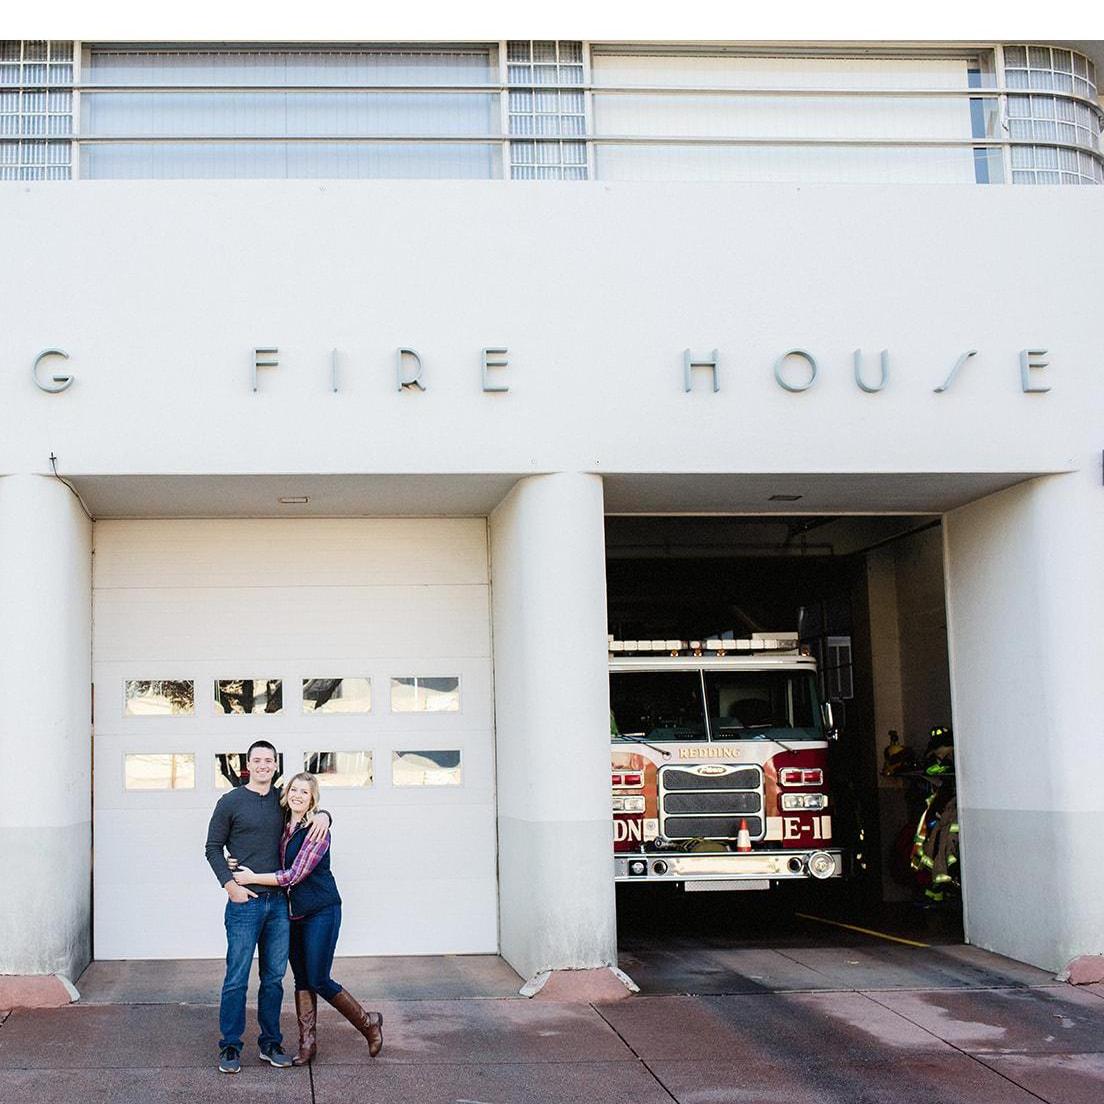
[981,1030]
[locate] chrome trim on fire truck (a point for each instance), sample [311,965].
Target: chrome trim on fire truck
[754,662]
[775,865]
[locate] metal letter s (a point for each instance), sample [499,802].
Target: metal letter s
[954,371]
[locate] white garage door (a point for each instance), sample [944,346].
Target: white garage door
[361,649]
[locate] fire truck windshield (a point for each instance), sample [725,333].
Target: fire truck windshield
[658,705]
[746,705]
[663,706]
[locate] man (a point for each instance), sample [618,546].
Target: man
[248,822]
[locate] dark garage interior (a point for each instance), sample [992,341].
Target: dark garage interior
[866,596]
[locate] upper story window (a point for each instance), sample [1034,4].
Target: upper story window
[36,110]
[298,66]
[1069,116]
[713,116]
[364,111]
[551,110]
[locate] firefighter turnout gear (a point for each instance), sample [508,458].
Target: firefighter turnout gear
[935,844]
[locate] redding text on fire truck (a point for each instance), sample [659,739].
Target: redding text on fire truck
[719,756]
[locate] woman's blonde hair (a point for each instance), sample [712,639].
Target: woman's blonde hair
[312,785]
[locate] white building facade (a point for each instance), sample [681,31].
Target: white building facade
[348,351]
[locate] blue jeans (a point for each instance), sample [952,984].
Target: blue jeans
[261,924]
[313,941]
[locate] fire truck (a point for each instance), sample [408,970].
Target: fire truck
[719,757]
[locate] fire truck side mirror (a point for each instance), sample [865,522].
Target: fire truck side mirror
[832,714]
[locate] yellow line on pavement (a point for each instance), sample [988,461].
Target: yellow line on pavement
[863,931]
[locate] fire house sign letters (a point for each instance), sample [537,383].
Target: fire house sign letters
[795,371]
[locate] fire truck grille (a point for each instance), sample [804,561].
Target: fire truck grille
[740,779]
[710,801]
[711,827]
[715,803]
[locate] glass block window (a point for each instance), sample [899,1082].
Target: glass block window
[547,113]
[1034,116]
[1047,165]
[548,160]
[544,63]
[542,110]
[1044,68]
[1053,118]
[36,109]
[37,63]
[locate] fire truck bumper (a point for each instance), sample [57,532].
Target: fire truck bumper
[758,867]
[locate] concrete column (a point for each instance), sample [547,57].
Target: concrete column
[557,907]
[885,666]
[45,727]
[1025,608]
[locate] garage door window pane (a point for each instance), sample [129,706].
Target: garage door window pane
[158,698]
[231,770]
[337,695]
[249,695]
[419,694]
[161,771]
[425,768]
[340,768]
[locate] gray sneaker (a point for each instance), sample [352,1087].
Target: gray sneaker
[275,1056]
[229,1060]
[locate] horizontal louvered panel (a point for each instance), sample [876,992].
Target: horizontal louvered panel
[693,827]
[743,802]
[745,778]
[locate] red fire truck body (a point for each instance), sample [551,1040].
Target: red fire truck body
[719,758]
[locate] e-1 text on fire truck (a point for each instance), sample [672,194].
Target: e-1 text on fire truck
[720,764]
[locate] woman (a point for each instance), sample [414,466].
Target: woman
[315,921]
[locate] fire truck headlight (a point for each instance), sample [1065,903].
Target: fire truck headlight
[628,804]
[790,802]
[638,867]
[821,864]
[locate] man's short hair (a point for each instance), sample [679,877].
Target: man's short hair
[262,744]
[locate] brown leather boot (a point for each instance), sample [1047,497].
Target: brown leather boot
[306,1010]
[369,1024]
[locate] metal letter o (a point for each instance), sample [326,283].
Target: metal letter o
[808,357]
[60,383]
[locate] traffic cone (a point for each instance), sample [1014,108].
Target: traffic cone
[743,836]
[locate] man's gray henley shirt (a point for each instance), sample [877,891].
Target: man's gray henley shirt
[250,827]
